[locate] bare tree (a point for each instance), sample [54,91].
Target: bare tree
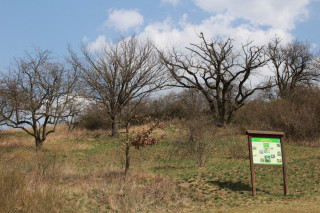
[123,72]
[294,65]
[34,93]
[220,72]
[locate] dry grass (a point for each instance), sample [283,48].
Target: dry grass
[63,174]
[135,193]
[296,207]
[81,171]
[27,193]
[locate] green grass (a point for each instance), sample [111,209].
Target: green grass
[17,133]
[86,172]
[226,180]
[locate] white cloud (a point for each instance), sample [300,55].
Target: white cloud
[281,14]
[246,20]
[166,33]
[173,2]
[243,21]
[123,19]
[98,44]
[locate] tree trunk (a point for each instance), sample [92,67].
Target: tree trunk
[221,122]
[127,159]
[217,117]
[230,116]
[39,143]
[115,125]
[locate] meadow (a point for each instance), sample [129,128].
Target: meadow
[83,171]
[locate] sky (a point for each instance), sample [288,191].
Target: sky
[54,25]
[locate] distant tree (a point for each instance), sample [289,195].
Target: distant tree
[34,94]
[75,109]
[93,117]
[218,71]
[127,71]
[294,64]
[194,102]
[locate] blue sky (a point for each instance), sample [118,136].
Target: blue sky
[55,24]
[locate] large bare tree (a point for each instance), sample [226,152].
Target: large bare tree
[34,94]
[219,71]
[123,72]
[294,64]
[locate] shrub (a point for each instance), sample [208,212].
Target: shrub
[185,104]
[238,149]
[197,142]
[93,118]
[298,117]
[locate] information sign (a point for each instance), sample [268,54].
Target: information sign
[266,151]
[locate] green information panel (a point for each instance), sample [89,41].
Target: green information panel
[266,151]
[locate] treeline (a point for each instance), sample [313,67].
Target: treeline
[120,85]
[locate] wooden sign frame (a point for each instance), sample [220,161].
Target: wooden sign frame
[273,137]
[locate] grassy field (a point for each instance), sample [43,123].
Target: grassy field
[82,171]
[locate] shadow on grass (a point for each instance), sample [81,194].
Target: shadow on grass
[237,186]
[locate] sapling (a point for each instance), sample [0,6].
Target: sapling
[142,139]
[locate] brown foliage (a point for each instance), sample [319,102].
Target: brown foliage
[143,137]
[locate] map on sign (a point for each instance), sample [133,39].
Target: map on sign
[266,151]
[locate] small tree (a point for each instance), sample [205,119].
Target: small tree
[122,72]
[294,65]
[141,140]
[218,71]
[34,94]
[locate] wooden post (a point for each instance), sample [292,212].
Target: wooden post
[284,171]
[274,138]
[251,167]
